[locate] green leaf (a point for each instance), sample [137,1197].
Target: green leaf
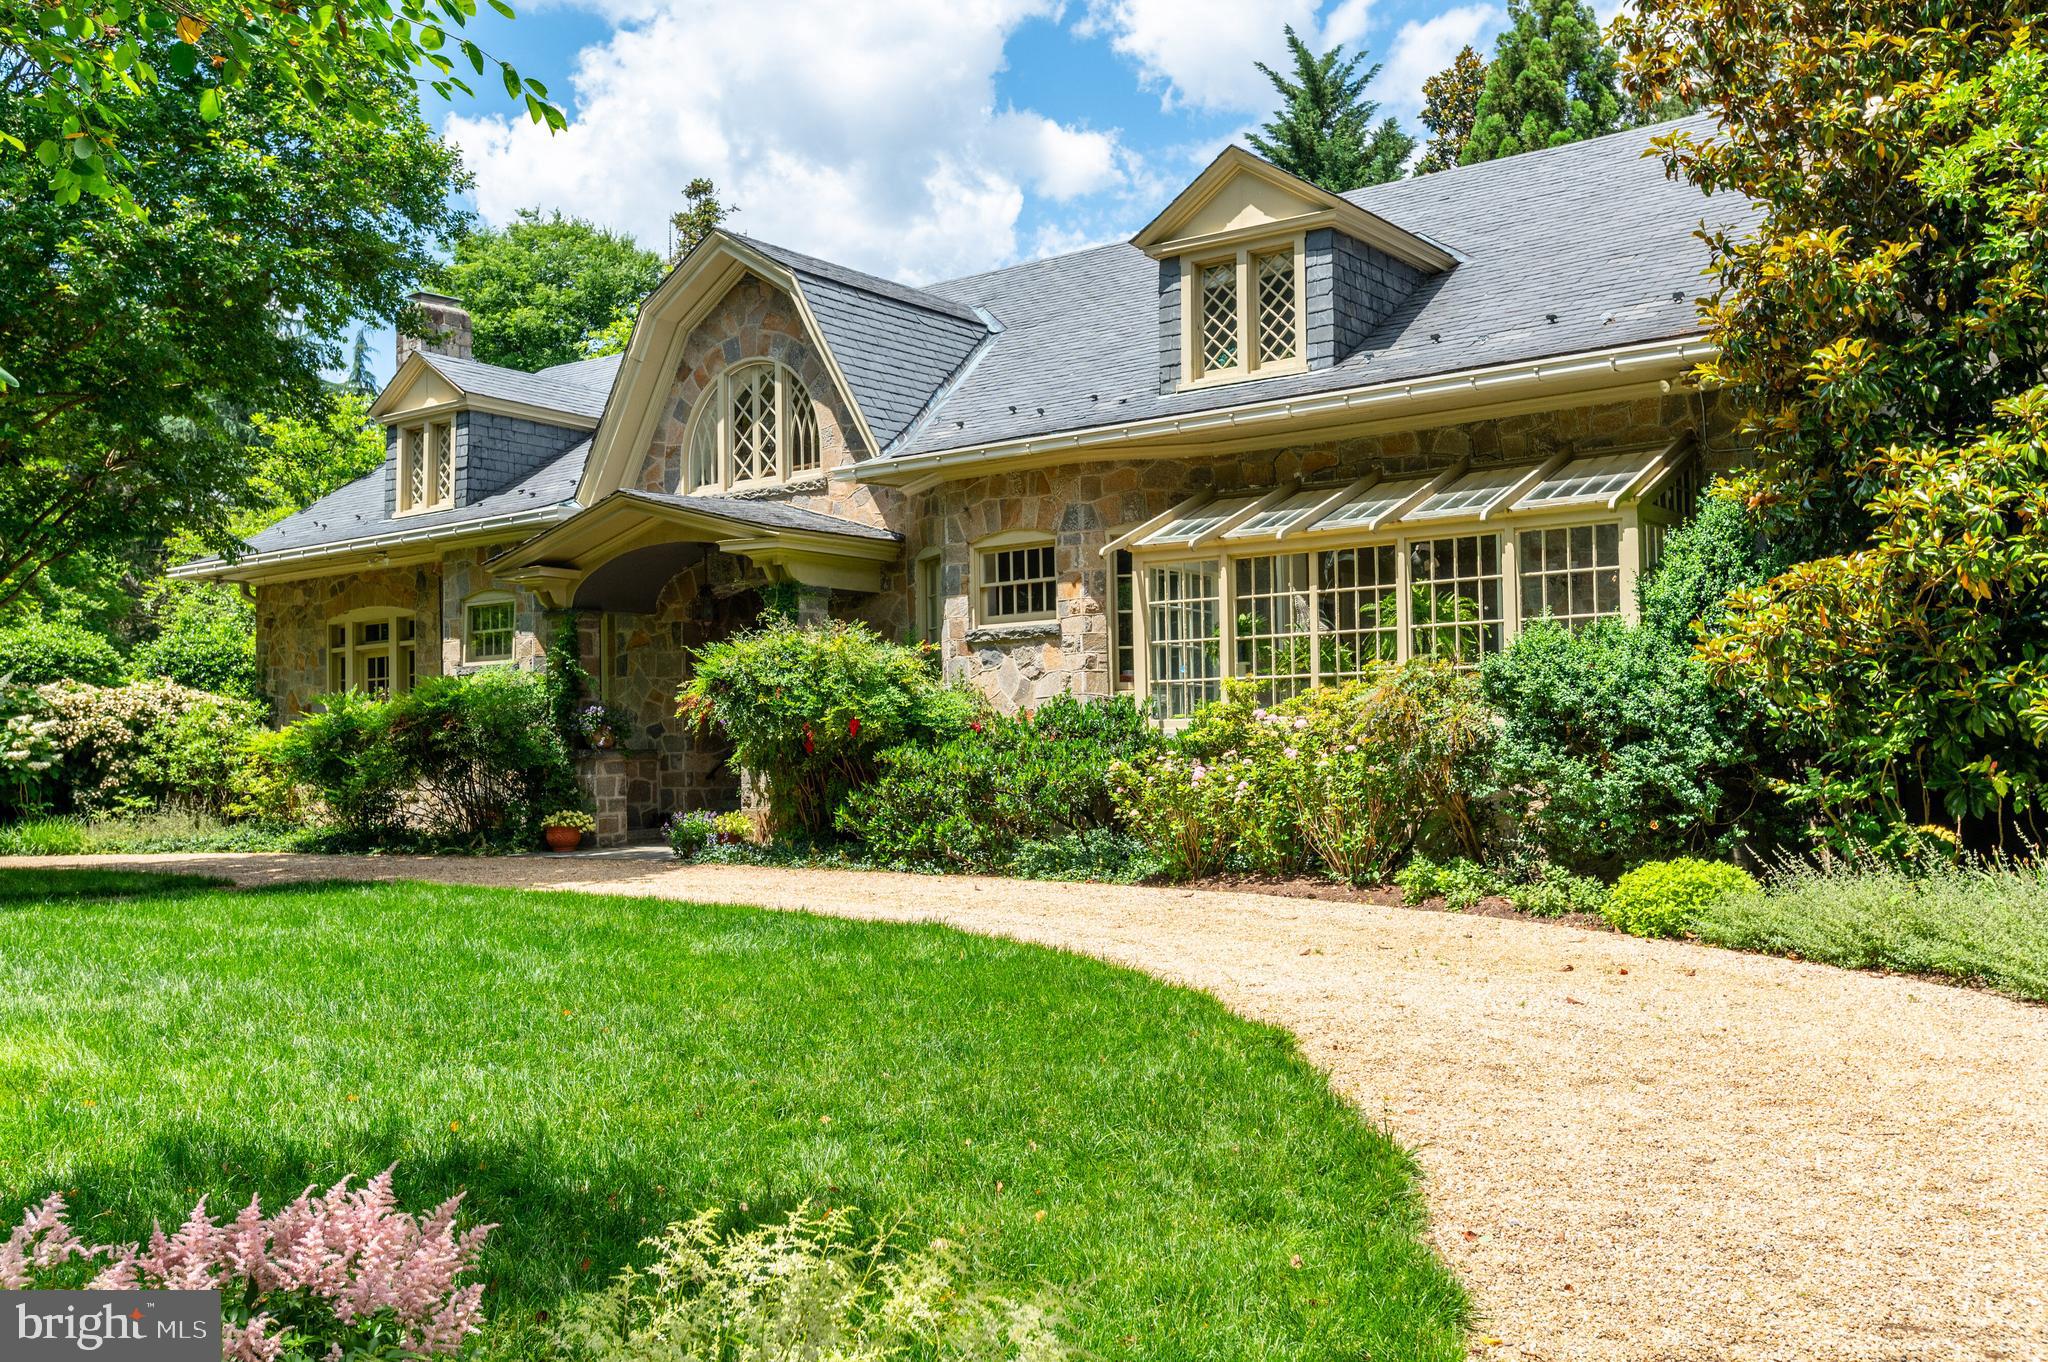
[475,55]
[503,8]
[511,79]
[209,104]
[183,59]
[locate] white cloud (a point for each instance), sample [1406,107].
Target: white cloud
[1346,24]
[1420,50]
[865,131]
[1200,52]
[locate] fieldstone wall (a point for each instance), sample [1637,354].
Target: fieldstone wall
[1083,506]
[462,577]
[291,626]
[619,784]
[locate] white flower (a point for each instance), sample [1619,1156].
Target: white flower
[1300,724]
[1259,713]
[1290,754]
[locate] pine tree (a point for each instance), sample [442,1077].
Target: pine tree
[1551,81]
[698,218]
[361,378]
[1450,105]
[1323,131]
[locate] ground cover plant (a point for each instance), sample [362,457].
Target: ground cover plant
[1980,924]
[592,1069]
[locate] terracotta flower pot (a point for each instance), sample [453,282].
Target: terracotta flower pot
[562,839]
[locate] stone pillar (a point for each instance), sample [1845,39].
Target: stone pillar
[621,787]
[448,327]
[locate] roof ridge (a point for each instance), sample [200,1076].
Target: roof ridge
[1098,247]
[1519,160]
[832,271]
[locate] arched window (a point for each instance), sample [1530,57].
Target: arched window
[755,424]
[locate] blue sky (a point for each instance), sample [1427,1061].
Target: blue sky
[918,139]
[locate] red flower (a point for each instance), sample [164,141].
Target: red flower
[853,727]
[810,743]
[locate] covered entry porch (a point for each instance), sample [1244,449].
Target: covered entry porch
[649,577]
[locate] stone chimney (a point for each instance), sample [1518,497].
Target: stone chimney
[447,327]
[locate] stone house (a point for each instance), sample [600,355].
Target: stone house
[1277,434]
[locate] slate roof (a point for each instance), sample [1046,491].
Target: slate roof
[580,387]
[1592,233]
[769,515]
[895,344]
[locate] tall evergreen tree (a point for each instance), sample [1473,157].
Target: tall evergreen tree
[361,378]
[696,219]
[1450,105]
[1323,130]
[1552,81]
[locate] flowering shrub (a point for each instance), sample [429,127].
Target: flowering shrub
[343,1274]
[1663,898]
[1349,777]
[689,834]
[971,802]
[144,745]
[805,1287]
[27,749]
[810,708]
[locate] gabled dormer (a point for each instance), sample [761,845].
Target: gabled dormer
[459,430]
[1263,274]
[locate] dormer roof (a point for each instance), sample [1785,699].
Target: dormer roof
[571,395]
[1241,195]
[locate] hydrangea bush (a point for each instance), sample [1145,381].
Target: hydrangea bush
[148,744]
[344,1274]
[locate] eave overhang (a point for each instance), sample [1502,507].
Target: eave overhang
[1615,374]
[393,548]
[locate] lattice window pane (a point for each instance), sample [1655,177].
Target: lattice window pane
[1275,274]
[1571,575]
[1219,315]
[1357,598]
[1184,619]
[1273,621]
[412,467]
[703,470]
[490,631]
[444,464]
[753,425]
[1456,597]
[803,425]
[1018,584]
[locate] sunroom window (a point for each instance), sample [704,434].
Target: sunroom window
[754,425]
[1297,587]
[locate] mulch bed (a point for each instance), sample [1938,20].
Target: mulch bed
[1384,896]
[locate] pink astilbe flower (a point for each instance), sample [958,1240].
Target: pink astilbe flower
[335,1262]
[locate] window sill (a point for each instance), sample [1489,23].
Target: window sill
[1013,631]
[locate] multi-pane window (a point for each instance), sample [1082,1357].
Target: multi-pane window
[489,631]
[931,600]
[1274,274]
[1018,584]
[755,423]
[1274,612]
[1455,597]
[1358,605]
[426,467]
[1244,314]
[1572,574]
[1182,625]
[1219,315]
[375,655]
[1126,632]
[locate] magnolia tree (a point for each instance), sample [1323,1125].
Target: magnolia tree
[343,1274]
[1881,327]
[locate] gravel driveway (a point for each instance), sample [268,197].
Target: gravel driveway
[1641,1150]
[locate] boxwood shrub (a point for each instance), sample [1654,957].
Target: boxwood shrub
[1664,898]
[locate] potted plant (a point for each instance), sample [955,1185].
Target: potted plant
[599,725]
[734,826]
[564,829]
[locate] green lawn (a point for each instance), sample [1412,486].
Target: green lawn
[590,1068]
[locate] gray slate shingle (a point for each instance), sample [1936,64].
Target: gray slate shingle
[896,345]
[773,515]
[580,387]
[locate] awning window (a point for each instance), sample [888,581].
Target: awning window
[1188,528]
[1366,510]
[1276,520]
[1599,478]
[1474,494]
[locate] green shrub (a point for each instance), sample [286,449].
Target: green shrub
[1101,854]
[1556,892]
[969,803]
[28,751]
[1459,882]
[1348,777]
[1981,923]
[1541,890]
[145,745]
[805,1285]
[1718,551]
[1613,746]
[261,787]
[206,639]
[689,834]
[810,709]
[342,754]
[37,652]
[1665,898]
[479,756]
